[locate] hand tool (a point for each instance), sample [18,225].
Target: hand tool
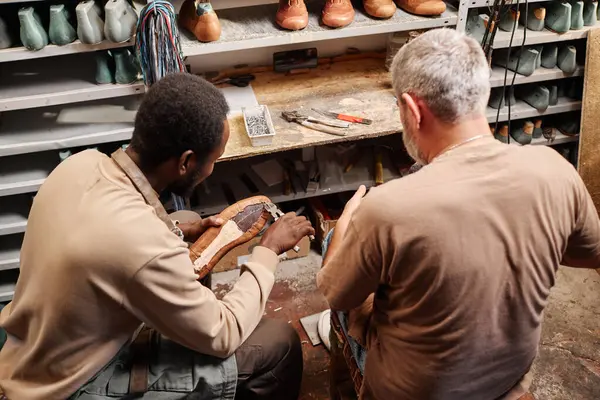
[313,123]
[299,212]
[344,117]
[239,80]
[276,213]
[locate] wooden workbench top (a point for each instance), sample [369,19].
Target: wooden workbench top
[359,87]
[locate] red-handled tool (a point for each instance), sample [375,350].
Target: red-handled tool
[344,117]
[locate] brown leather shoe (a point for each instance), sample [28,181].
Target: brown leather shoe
[380,8]
[199,18]
[422,7]
[338,13]
[292,15]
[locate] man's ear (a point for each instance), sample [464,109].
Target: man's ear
[411,103]
[187,162]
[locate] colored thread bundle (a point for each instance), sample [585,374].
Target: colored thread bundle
[157,42]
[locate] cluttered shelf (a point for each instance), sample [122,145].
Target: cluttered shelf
[502,39]
[254,27]
[539,75]
[487,3]
[51,82]
[285,177]
[524,110]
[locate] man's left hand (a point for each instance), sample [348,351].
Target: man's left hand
[193,230]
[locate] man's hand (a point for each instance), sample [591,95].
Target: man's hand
[350,209]
[193,230]
[286,232]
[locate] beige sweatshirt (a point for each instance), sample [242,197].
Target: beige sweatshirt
[461,257]
[96,262]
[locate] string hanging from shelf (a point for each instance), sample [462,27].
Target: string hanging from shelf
[157,42]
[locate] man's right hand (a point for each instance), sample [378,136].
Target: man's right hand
[286,232]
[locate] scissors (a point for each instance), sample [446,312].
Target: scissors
[239,80]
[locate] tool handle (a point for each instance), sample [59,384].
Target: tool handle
[378,169]
[322,128]
[354,120]
[333,124]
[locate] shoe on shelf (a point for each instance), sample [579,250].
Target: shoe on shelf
[5,37]
[558,16]
[126,68]
[60,31]
[576,15]
[549,55]
[509,20]
[380,8]
[477,25]
[90,25]
[292,15]
[574,89]
[567,59]
[553,99]
[33,35]
[538,61]
[496,97]
[337,13]
[529,58]
[537,96]
[120,21]
[537,129]
[535,19]
[568,126]
[502,134]
[199,18]
[105,65]
[523,134]
[426,8]
[590,13]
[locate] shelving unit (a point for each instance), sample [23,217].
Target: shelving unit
[45,96]
[522,110]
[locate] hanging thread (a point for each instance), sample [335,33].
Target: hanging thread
[157,42]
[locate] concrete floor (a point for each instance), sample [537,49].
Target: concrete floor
[568,366]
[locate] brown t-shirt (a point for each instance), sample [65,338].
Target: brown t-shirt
[96,262]
[461,257]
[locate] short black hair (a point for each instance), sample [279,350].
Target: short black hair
[180,112]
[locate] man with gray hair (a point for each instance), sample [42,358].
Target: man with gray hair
[456,261]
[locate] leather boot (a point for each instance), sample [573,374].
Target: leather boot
[549,55]
[527,64]
[422,7]
[199,18]
[292,15]
[537,96]
[566,59]
[337,13]
[380,8]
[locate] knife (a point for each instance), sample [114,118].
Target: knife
[344,117]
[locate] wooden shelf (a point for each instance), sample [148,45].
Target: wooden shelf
[540,74]
[254,27]
[21,53]
[523,110]
[502,39]
[29,131]
[360,87]
[65,80]
[13,214]
[560,139]
[25,174]
[8,280]
[10,247]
